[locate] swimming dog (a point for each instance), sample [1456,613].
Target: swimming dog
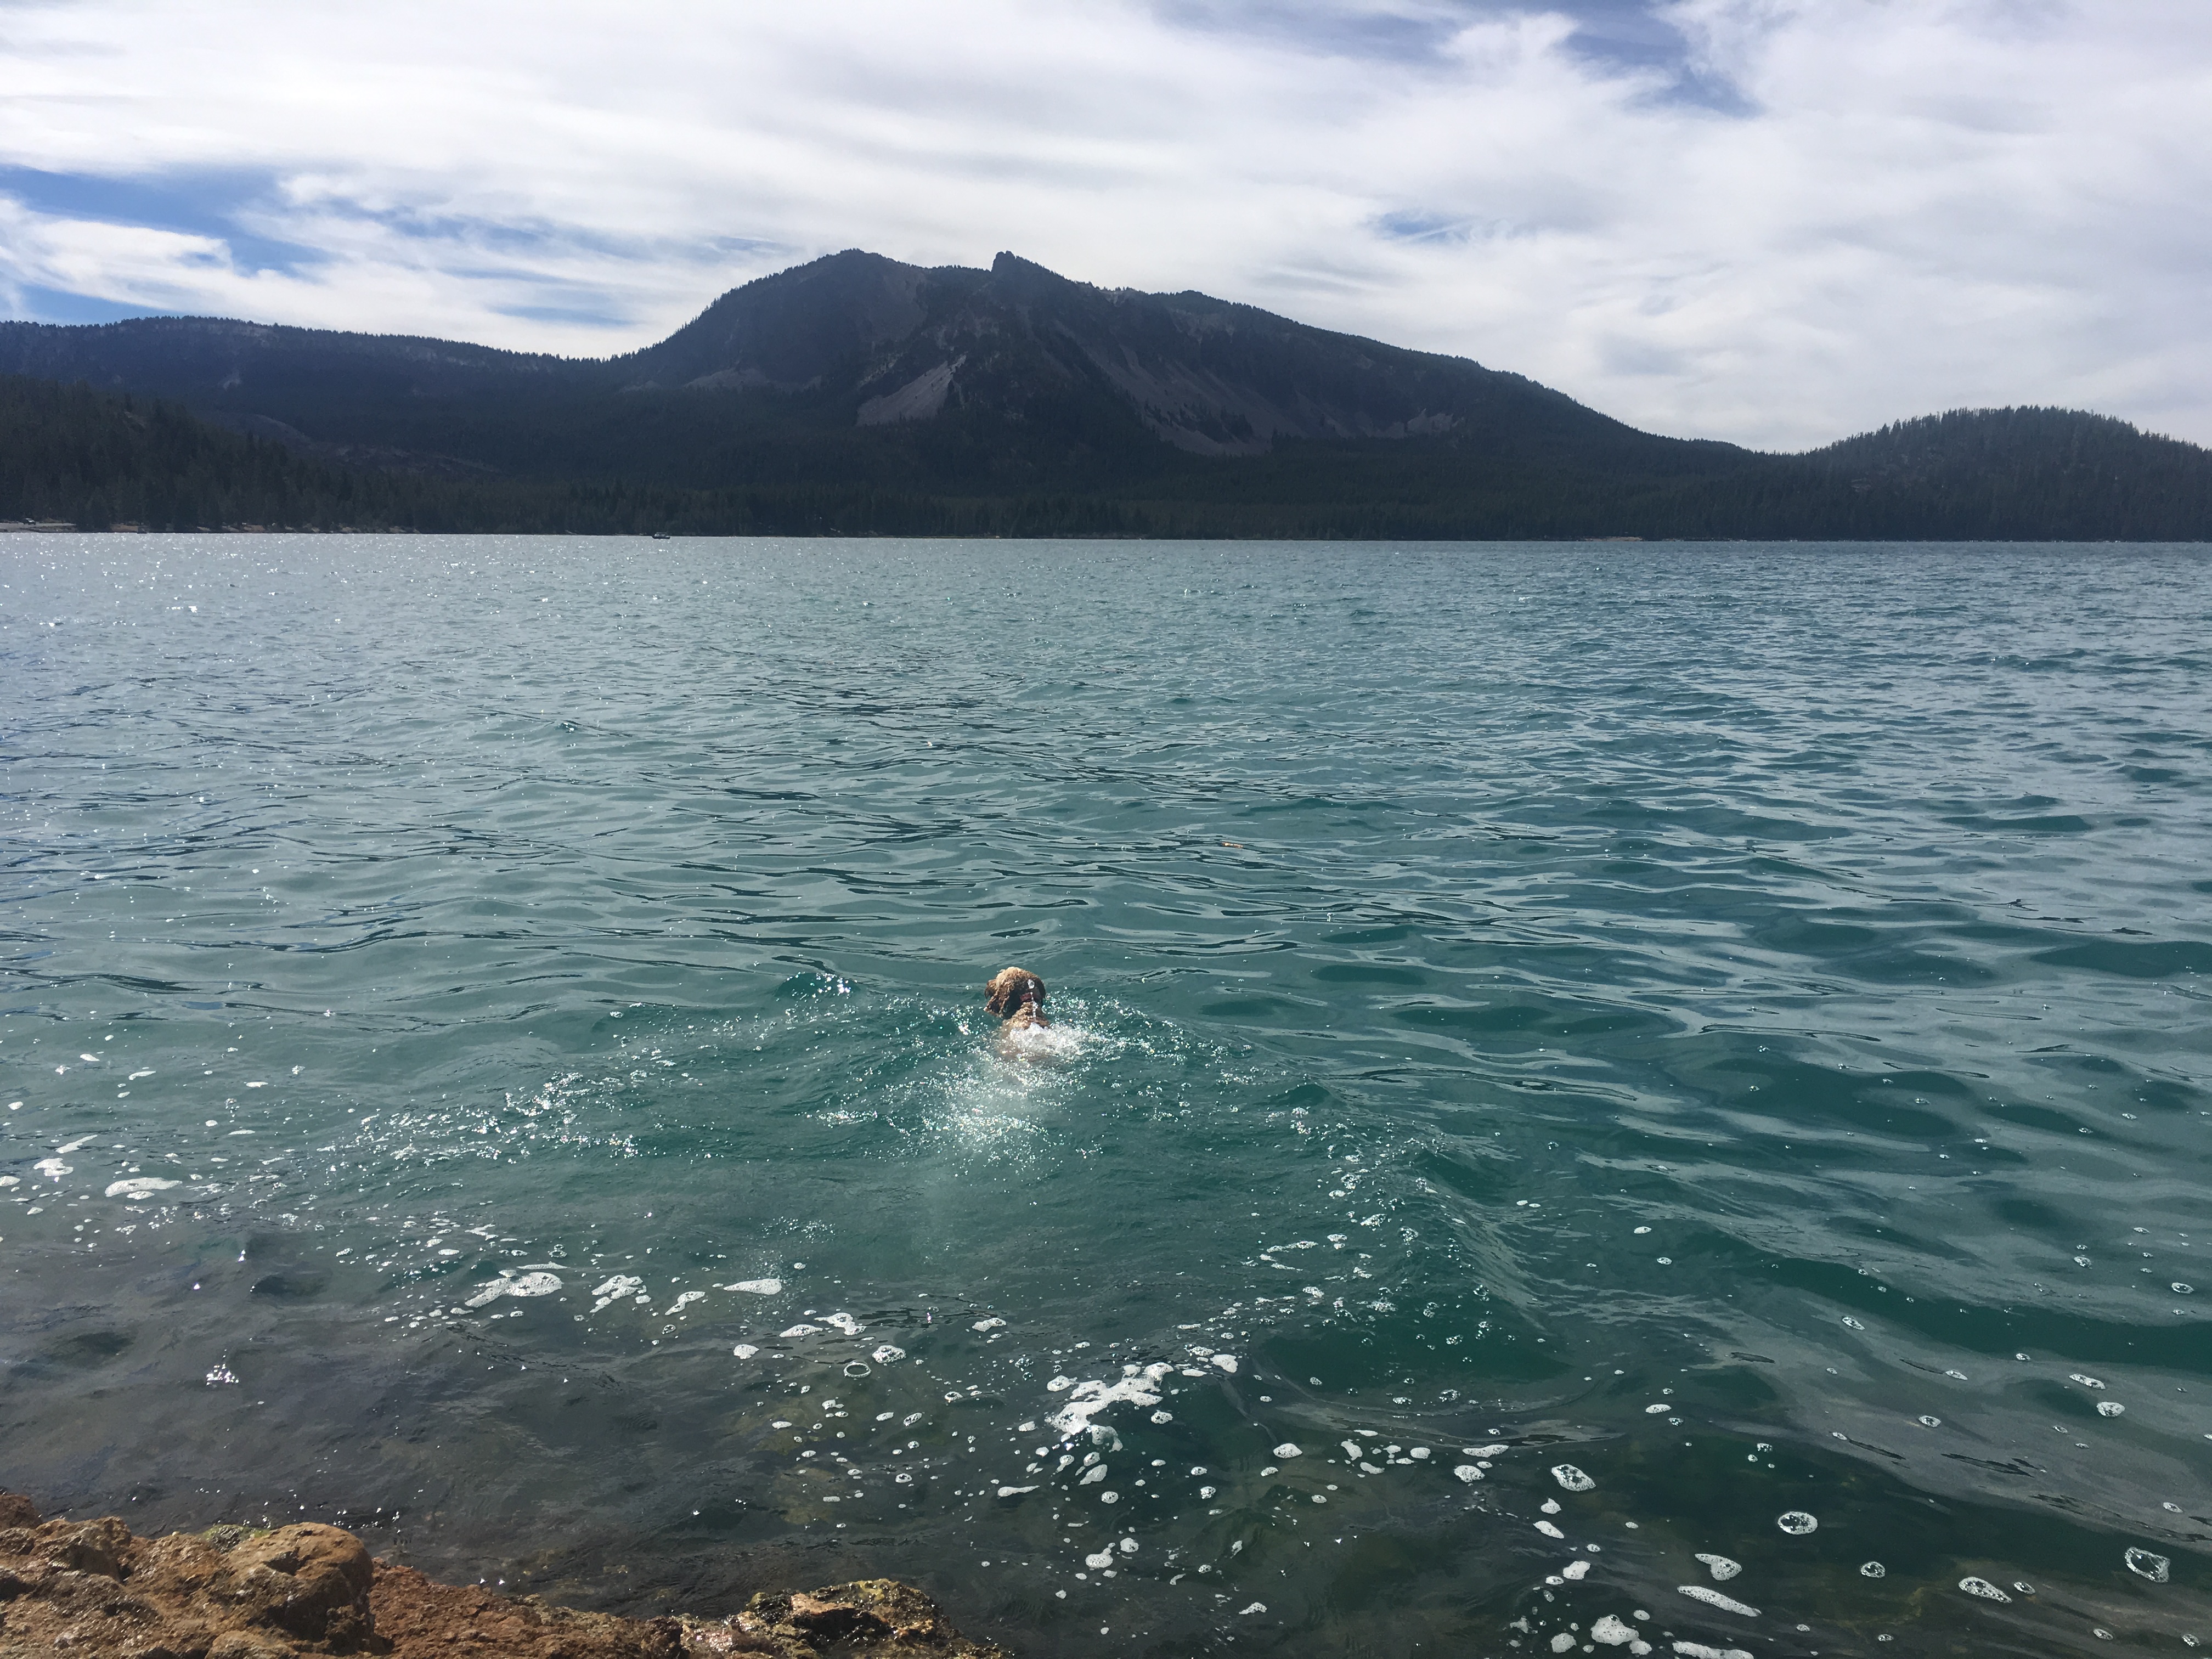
[1016,996]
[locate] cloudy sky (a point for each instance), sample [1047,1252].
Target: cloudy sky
[1771,220]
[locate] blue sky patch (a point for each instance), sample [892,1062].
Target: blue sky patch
[199,202]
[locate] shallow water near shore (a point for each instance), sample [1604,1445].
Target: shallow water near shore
[1569,1062]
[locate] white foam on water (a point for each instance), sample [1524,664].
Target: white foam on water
[2086,1382]
[810,1330]
[1549,1530]
[1721,1567]
[52,1167]
[1286,1449]
[616,1289]
[757,1287]
[11,1180]
[842,1321]
[1574,1570]
[745,1351]
[1797,1522]
[1468,1473]
[1087,1400]
[2144,1565]
[991,1324]
[1014,1492]
[1654,1411]
[1713,1598]
[510,1283]
[1983,1587]
[220,1377]
[1042,1041]
[887,1355]
[1872,1570]
[1227,1362]
[684,1302]
[1700,1650]
[64,1150]
[1568,1477]
[2110,1408]
[139,1186]
[1483,1452]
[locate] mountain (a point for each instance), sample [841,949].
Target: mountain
[884,396]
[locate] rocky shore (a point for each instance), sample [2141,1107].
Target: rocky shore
[91,1588]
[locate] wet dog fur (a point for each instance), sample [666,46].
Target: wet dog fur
[1016,996]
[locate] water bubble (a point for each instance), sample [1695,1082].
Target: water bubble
[1721,1567]
[1796,1523]
[2144,1565]
[1983,1587]
[1872,1570]
[1572,1479]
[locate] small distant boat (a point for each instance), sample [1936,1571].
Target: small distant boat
[662,536]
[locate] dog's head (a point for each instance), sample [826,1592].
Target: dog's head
[1011,989]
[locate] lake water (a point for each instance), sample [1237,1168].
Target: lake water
[1568,1060]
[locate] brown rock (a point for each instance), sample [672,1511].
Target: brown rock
[91,1589]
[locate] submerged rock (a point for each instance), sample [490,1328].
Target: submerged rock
[91,1588]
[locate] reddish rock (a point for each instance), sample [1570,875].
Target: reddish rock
[90,1588]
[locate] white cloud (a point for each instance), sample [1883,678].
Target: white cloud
[1916,204]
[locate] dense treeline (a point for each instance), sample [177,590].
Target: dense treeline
[98,459]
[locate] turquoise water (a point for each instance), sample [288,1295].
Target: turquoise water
[1642,1042]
